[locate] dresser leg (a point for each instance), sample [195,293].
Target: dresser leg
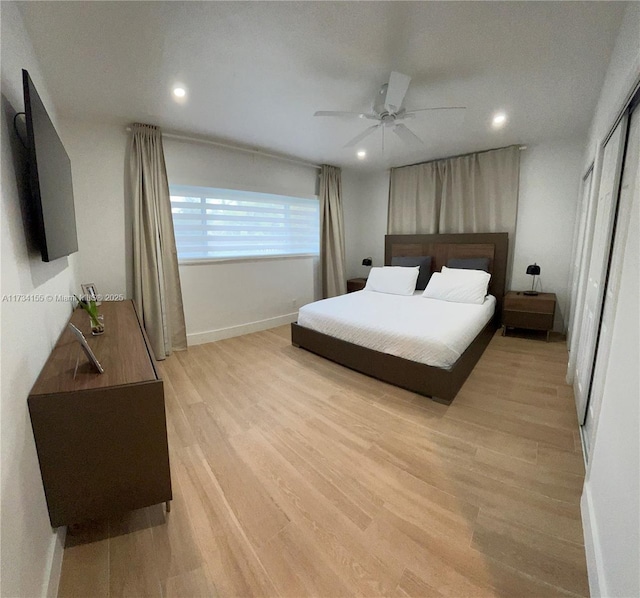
[167,506]
[548,333]
[504,330]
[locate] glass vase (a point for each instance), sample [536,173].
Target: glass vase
[97,324]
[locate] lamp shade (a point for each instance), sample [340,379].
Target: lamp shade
[534,270]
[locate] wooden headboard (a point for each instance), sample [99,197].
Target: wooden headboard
[442,248]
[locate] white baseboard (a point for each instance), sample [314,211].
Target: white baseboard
[595,569]
[209,336]
[55,568]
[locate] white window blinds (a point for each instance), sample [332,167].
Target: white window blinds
[224,223]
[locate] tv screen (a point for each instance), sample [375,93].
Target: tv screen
[50,180]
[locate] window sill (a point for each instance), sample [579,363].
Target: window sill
[233,260]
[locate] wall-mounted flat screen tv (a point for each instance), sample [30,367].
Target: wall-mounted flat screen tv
[50,180]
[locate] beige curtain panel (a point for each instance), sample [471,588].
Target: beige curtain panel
[475,193]
[414,199]
[480,192]
[332,253]
[156,282]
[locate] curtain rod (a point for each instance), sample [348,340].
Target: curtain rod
[236,148]
[520,147]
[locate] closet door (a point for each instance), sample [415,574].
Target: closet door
[600,249]
[628,186]
[581,253]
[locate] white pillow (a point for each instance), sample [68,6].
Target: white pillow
[479,275]
[457,289]
[396,280]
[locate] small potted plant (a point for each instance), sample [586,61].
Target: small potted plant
[97,323]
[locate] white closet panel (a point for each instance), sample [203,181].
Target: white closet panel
[628,186]
[605,212]
[581,254]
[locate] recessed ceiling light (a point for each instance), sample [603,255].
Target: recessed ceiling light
[179,92]
[499,119]
[361,154]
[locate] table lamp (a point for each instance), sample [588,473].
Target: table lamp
[533,270]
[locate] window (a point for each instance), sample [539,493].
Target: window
[223,223]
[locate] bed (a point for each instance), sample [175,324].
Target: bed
[432,357]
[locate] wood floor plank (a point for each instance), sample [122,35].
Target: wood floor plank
[321,522]
[133,570]
[230,558]
[174,538]
[540,413]
[261,517]
[294,477]
[550,559]
[411,585]
[577,442]
[179,431]
[174,369]
[394,539]
[308,445]
[85,568]
[561,460]
[454,569]
[548,515]
[489,437]
[559,485]
[321,482]
[511,424]
[299,568]
[192,584]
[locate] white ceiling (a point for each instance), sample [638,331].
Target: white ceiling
[257,71]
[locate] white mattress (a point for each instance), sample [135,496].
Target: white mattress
[425,330]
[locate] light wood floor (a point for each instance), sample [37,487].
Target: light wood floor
[293,476]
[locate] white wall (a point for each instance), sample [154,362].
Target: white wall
[97,153]
[549,181]
[550,176]
[365,198]
[225,299]
[228,298]
[31,551]
[622,73]
[610,500]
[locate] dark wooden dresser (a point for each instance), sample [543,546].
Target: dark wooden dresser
[101,438]
[533,312]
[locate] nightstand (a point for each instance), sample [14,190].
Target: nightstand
[534,312]
[356,284]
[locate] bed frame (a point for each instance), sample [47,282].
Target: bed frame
[439,384]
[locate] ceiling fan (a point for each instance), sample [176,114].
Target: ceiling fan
[388,112]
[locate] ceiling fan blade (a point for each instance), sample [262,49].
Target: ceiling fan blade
[397,89]
[361,136]
[339,114]
[407,135]
[410,113]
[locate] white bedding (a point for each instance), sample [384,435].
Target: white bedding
[412,327]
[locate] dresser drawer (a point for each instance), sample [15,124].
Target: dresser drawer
[543,303]
[527,319]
